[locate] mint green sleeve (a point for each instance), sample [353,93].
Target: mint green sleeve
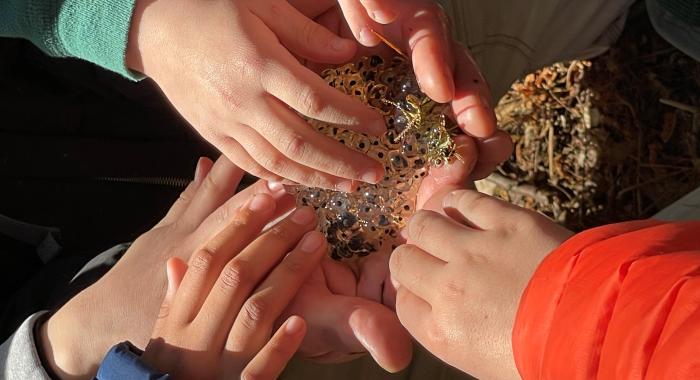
[92,30]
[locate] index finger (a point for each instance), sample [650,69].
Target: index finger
[472,102]
[426,32]
[310,95]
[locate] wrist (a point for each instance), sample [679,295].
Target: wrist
[138,36]
[65,344]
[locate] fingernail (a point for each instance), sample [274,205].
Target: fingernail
[311,242]
[346,186]
[294,325]
[471,115]
[357,321]
[259,203]
[340,44]
[383,17]
[449,80]
[198,171]
[169,273]
[485,102]
[303,216]
[275,186]
[372,176]
[367,37]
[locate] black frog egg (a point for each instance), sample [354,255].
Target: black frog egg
[400,120]
[361,222]
[405,185]
[356,244]
[417,163]
[407,86]
[369,196]
[347,220]
[338,203]
[315,197]
[383,220]
[410,146]
[368,213]
[398,161]
[362,144]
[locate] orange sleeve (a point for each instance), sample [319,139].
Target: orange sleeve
[615,302]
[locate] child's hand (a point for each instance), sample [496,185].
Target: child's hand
[421,29]
[231,69]
[460,278]
[216,322]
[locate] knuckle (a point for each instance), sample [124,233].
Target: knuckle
[280,350]
[249,64]
[317,179]
[164,310]
[453,290]
[435,335]
[280,232]
[232,100]
[419,225]
[309,33]
[397,257]
[185,196]
[294,263]
[210,184]
[223,214]
[254,313]
[234,275]
[275,163]
[474,203]
[296,146]
[513,227]
[201,260]
[311,102]
[257,170]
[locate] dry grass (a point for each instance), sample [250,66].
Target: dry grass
[614,139]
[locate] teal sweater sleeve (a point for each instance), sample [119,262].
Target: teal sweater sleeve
[93,30]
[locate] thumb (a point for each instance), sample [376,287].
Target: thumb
[379,331]
[453,176]
[342,327]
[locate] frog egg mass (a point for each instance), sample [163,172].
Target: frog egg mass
[419,136]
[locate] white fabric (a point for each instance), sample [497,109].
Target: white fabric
[19,359]
[509,38]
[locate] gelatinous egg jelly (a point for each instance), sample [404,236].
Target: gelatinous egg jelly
[419,135]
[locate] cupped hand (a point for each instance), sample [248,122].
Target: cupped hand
[344,325]
[484,148]
[339,322]
[351,313]
[216,321]
[231,69]
[477,159]
[462,274]
[444,69]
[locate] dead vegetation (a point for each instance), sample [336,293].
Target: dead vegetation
[614,139]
